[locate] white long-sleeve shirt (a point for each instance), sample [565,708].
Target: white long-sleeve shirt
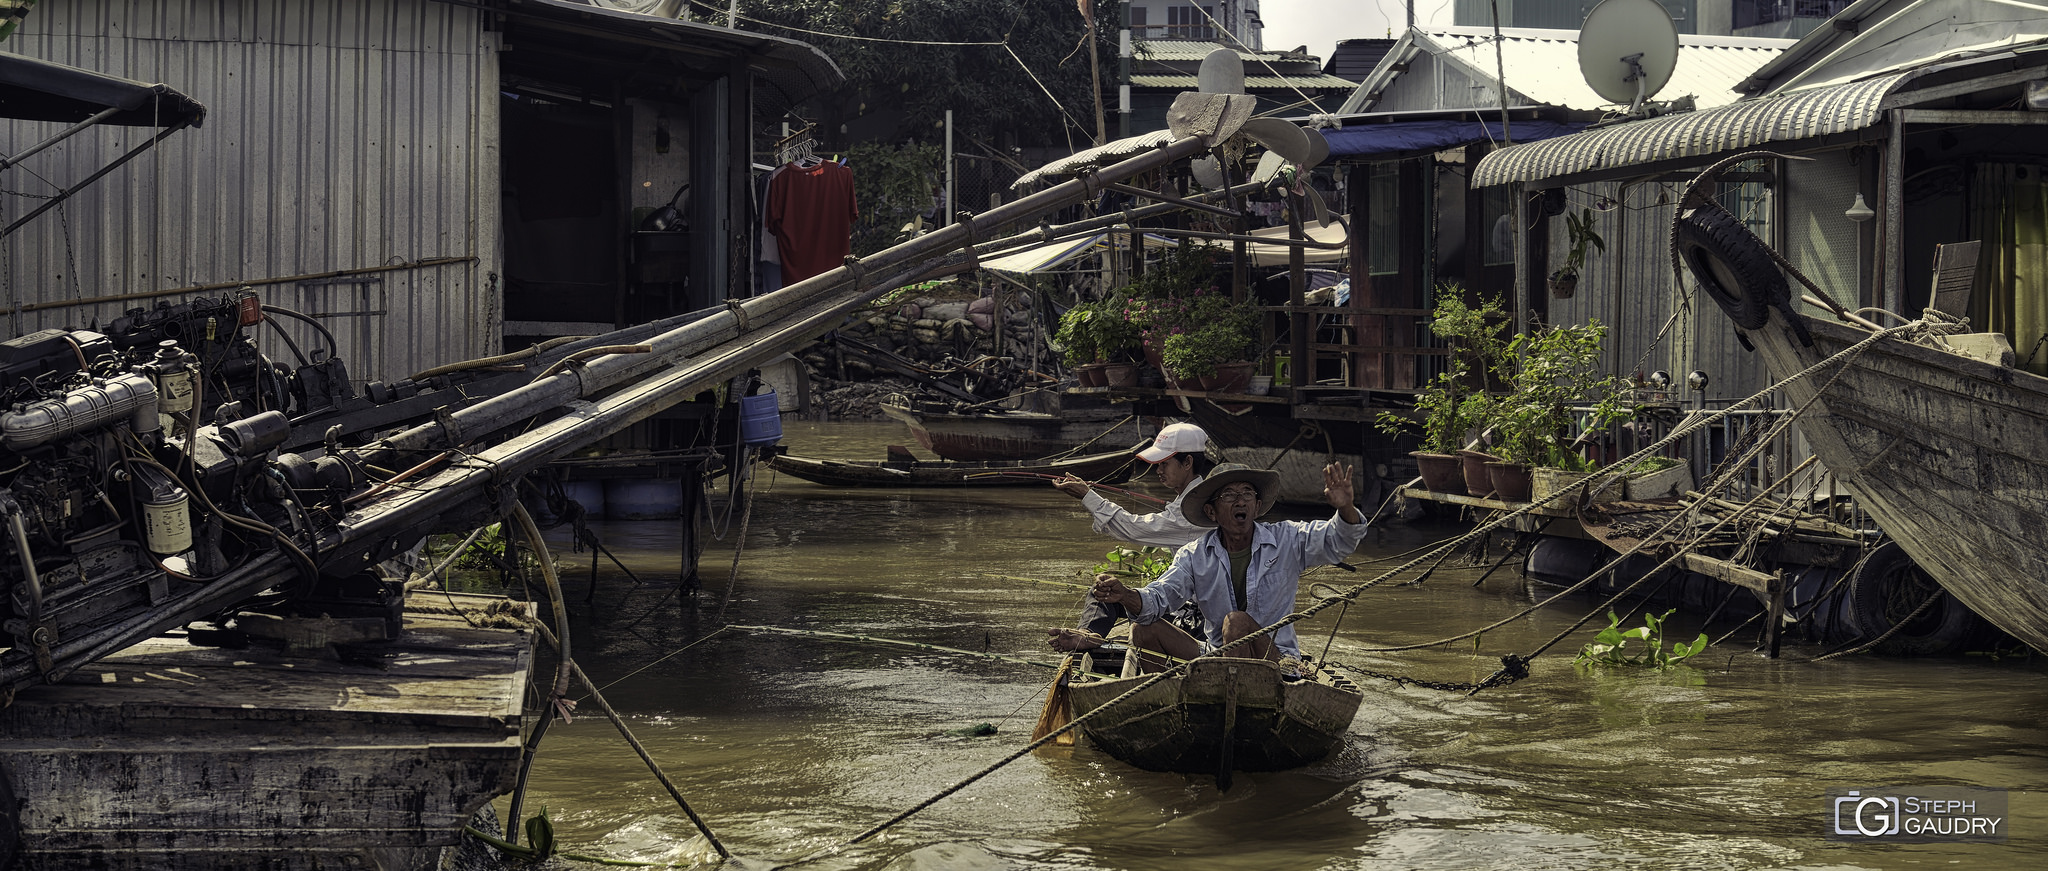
[1164,528]
[1280,552]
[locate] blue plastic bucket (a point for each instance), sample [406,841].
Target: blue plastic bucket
[760,419]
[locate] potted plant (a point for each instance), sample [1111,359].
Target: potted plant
[1550,370]
[1455,403]
[1443,413]
[1580,235]
[1214,344]
[1077,342]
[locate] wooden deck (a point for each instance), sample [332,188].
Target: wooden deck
[170,756]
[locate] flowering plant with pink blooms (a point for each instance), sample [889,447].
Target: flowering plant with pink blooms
[1185,292]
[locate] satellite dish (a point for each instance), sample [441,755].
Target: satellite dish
[1627,50]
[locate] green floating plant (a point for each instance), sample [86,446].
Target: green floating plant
[1638,647]
[1142,565]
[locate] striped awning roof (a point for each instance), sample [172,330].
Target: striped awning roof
[1316,81]
[1694,136]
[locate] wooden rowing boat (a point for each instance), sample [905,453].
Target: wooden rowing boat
[1105,468]
[1002,434]
[1224,714]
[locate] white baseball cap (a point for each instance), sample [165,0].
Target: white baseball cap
[1178,438]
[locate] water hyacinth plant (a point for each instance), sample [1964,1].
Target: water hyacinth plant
[1639,647]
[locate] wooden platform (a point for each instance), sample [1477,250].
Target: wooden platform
[171,756]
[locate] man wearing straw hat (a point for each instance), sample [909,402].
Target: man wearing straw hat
[1177,455]
[1243,573]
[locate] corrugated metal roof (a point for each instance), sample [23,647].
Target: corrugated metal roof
[1543,65]
[1161,49]
[1100,155]
[1802,115]
[1251,83]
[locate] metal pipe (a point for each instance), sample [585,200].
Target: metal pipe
[669,348]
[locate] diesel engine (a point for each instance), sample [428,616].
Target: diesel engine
[138,458]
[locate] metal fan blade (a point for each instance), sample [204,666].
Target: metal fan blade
[1269,166]
[1222,72]
[1280,136]
[1318,148]
[1214,117]
[1322,209]
[1208,172]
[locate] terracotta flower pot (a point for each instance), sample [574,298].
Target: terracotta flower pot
[1441,473]
[1511,481]
[1090,375]
[1231,378]
[1477,479]
[1120,375]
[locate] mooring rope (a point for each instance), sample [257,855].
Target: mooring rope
[1513,666]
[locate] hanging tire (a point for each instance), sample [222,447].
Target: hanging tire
[1888,587]
[1732,266]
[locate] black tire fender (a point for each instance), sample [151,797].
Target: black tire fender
[1731,265]
[1886,589]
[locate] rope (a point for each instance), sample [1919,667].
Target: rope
[1512,664]
[739,544]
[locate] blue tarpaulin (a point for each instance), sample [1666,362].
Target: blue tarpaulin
[1409,137]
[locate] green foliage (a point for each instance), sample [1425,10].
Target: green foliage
[1075,336]
[1135,567]
[488,551]
[1639,647]
[1196,352]
[893,187]
[1580,231]
[1097,331]
[1450,405]
[994,99]
[1547,372]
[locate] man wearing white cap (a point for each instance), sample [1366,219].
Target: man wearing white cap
[1177,454]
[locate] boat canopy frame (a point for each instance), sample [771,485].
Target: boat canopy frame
[40,90]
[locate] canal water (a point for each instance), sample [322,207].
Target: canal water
[788,746]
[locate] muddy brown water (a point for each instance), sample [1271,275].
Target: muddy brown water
[790,746]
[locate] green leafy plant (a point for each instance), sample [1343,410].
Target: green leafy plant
[1638,647]
[1547,372]
[488,551]
[1076,334]
[1452,404]
[1136,567]
[1581,234]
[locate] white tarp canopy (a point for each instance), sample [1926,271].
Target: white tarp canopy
[1044,257]
[1275,253]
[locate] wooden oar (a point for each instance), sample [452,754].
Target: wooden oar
[1059,706]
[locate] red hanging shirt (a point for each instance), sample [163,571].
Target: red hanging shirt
[811,212]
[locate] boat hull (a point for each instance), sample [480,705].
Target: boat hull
[1017,435]
[1109,468]
[1225,713]
[1945,452]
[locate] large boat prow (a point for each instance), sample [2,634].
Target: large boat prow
[1937,436]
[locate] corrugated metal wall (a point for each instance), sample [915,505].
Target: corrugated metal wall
[1819,239]
[339,135]
[1630,288]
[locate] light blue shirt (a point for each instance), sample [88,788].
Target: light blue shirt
[1280,552]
